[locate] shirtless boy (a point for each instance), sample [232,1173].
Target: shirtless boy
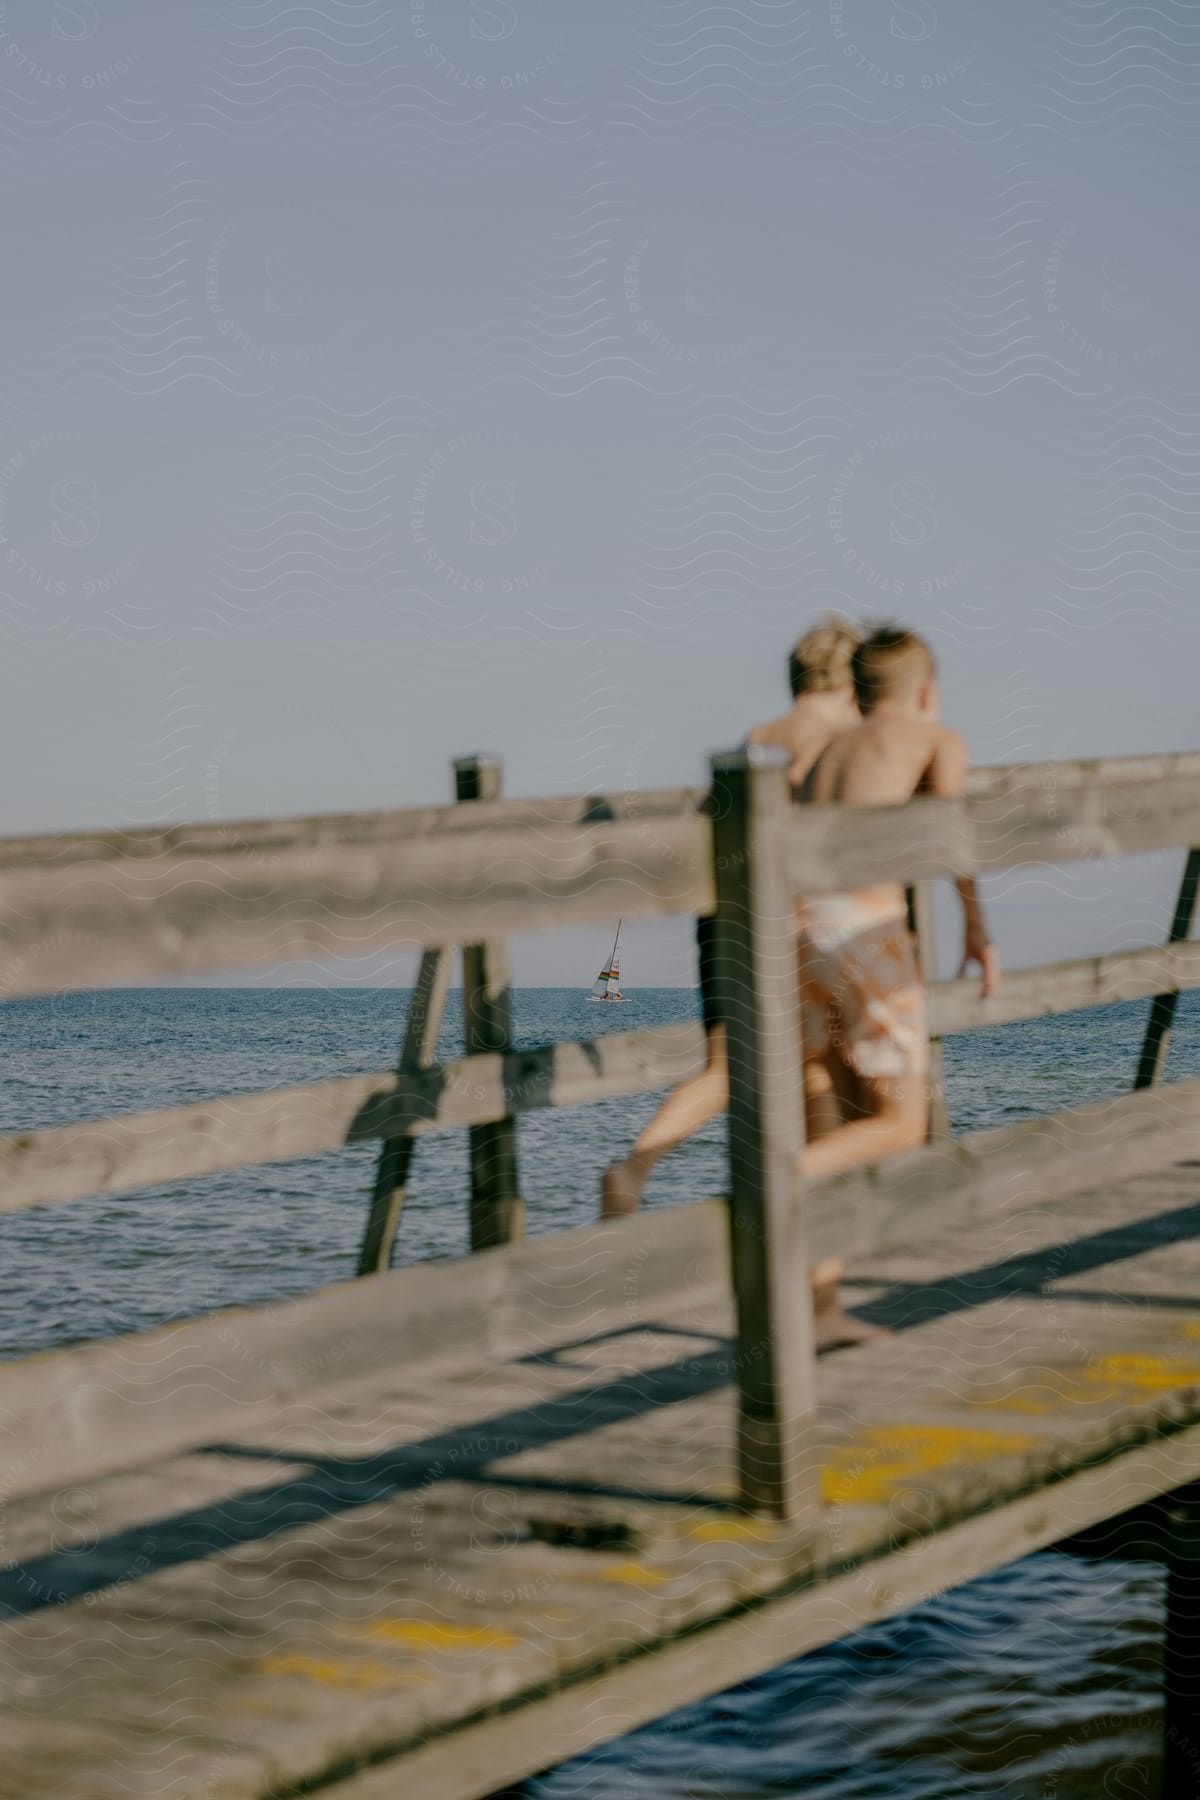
[862,1000]
[861,995]
[823,707]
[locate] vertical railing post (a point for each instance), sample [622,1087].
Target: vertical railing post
[1162,1011]
[421,1035]
[922,919]
[756,964]
[497,1212]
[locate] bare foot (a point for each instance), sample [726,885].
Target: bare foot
[833,1325]
[621,1189]
[836,1329]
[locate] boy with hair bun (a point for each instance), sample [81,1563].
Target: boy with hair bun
[823,706]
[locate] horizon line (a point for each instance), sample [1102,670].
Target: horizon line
[351,987]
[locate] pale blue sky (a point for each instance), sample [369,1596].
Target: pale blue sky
[385,379]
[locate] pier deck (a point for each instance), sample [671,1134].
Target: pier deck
[462,1571]
[428,1531]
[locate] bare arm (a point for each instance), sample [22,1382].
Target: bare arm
[947,776]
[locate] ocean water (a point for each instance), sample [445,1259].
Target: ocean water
[1041,1680]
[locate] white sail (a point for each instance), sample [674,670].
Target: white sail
[607,985]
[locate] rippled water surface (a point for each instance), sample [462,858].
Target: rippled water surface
[1041,1680]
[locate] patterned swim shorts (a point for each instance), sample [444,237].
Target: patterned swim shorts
[861,993]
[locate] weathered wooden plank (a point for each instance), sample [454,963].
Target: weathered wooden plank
[128,919]
[927,1261]
[48,1758]
[1052,777]
[132,1150]
[133,920]
[253,837]
[425,1013]
[835,847]
[65,1415]
[1092,819]
[756,948]
[385,826]
[497,1212]
[489,1754]
[942,1189]
[1065,987]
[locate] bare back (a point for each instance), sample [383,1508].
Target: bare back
[884,761]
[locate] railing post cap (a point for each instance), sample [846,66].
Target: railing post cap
[751,756]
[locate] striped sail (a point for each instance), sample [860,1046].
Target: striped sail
[607,985]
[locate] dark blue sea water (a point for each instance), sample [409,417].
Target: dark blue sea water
[1040,1681]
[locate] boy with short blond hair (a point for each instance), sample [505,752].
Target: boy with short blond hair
[898,748]
[862,995]
[862,998]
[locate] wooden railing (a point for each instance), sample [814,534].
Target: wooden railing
[93,908]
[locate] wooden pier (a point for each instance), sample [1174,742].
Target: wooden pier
[430,1530]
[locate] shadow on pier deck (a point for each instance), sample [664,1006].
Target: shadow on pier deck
[433,1530]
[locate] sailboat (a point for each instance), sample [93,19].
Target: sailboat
[607,985]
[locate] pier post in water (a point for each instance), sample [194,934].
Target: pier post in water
[1162,1011]
[756,973]
[497,1211]
[421,1035]
[922,923]
[1181,1659]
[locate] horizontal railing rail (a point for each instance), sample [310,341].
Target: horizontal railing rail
[103,913]
[1047,989]
[385,825]
[144,1149]
[1026,825]
[94,922]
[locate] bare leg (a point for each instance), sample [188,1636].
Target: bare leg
[681,1113]
[824,1110]
[831,1097]
[893,1118]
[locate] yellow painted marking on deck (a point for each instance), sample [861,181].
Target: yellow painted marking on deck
[342,1671]
[732,1531]
[1049,1393]
[888,1457]
[1143,1374]
[1193,1330]
[1124,1375]
[424,1634]
[635,1574]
